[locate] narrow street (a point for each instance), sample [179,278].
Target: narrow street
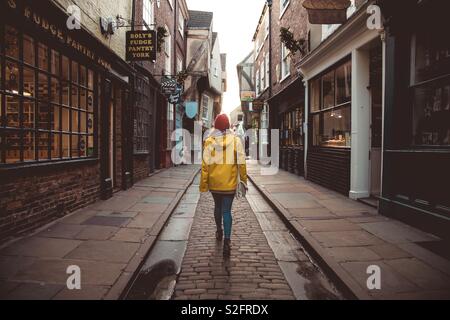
[266,263]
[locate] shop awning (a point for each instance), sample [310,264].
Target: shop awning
[327,11]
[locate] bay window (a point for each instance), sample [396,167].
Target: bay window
[46,103]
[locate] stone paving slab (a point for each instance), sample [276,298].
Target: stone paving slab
[347,237]
[108,240]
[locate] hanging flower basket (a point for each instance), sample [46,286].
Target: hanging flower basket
[327,11]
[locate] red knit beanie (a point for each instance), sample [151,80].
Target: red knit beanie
[222,122]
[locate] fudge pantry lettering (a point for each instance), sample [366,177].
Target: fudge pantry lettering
[140,45]
[58,33]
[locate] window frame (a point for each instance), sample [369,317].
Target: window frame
[148,11]
[46,132]
[142,124]
[168,53]
[432,82]
[336,108]
[285,63]
[284,4]
[181,23]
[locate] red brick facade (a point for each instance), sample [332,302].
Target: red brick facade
[35,196]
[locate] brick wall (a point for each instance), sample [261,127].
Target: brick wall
[141,167]
[38,196]
[296,19]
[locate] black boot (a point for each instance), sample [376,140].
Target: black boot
[219,235]
[227,248]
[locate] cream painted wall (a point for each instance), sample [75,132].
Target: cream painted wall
[92,10]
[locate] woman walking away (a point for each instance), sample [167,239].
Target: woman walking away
[223,170]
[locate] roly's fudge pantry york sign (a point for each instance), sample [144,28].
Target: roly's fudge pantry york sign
[140,46]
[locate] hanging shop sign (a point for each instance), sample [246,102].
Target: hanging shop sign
[327,11]
[258,105]
[140,45]
[191,109]
[176,98]
[168,86]
[248,96]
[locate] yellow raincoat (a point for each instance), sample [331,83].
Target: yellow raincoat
[223,159]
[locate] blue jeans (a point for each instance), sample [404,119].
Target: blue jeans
[222,211]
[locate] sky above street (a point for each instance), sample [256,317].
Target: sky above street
[235,21]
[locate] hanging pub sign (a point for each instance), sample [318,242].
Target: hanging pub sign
[140,45]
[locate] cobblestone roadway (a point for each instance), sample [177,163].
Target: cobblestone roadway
[252,271]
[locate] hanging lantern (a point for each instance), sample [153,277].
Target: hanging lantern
[327,11]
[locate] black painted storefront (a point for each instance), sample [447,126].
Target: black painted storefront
[98,101]
[287,108]
[416,175]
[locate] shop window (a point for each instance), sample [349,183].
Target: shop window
[430,91]
[292,128]
[142,117]
[12,77]
[328,90]
[29,82]
[330,106]
[344,83]
[43,57]
[55,63]
[332,128]
[11,42]
[315,93]
[28,50]
[49,114]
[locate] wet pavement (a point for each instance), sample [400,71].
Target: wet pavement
[157,278]
[108,240]
[266,262]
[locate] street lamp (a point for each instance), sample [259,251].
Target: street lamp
[269,3]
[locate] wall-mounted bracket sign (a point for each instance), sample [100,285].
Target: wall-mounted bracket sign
[168,86]
[141,45]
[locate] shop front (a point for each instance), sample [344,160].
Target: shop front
[343,78]
[416,179]
[62,97]
[290,105]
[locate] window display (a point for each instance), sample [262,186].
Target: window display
[331,108]
[430,90]
[292,128]
[49,114]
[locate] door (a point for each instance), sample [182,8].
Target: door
[107,137]
[376,126]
